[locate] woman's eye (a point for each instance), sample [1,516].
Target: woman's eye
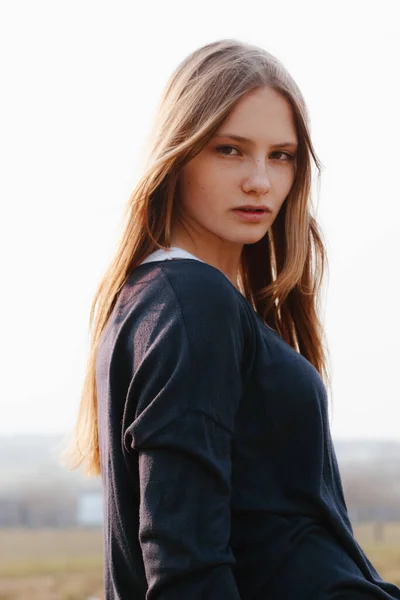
[288,156]
[226,150]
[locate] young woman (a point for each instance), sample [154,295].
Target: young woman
[205,406]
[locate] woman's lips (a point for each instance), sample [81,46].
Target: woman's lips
[252,216]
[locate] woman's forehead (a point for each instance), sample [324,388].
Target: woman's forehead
[261,115]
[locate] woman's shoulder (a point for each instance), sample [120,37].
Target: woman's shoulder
[174,298]
[189,285]
[186,308]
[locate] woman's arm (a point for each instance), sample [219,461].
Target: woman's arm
[187,386]
[184,514]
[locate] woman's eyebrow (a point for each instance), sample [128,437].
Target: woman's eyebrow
[240,138]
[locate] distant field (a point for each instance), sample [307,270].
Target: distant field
[49,564]
[381,543]
[67,565]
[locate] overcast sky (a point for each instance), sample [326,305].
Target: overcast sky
[80,83]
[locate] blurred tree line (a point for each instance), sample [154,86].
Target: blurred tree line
[372,493]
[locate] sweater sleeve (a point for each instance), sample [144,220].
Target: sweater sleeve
[186,389]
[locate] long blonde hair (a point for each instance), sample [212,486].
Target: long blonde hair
[281,275]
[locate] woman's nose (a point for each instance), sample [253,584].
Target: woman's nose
[257,181]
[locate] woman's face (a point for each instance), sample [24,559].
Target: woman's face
[231,172]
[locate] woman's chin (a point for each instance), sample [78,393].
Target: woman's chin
[250,237]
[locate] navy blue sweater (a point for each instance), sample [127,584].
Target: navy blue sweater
[219,475]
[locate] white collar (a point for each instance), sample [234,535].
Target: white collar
[170,253]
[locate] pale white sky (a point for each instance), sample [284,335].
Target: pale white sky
[80,81]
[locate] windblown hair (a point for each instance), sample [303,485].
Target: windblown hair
[281,275]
